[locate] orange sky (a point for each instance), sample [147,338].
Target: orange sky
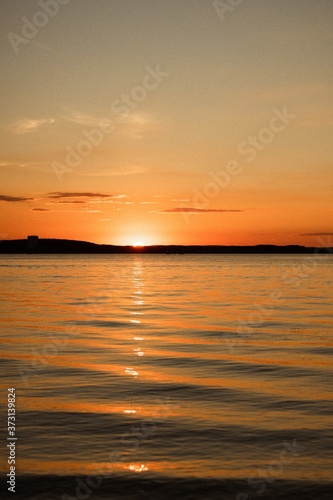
[167,122]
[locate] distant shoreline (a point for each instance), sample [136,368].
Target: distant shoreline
[61,246]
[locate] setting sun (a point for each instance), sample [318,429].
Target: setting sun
[166,249]
[113,153]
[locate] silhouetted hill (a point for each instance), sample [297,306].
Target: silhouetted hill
[58,246]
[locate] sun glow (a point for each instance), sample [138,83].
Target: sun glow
[138,244]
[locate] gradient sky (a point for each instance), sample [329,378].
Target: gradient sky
[229,143]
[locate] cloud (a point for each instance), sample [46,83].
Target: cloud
[112,200]
[120,171]
[58,195]
[133,124]
[26,125]
[136,124]
[84,119]
[31,165]
[14,198]
[41,210]
[317,234]
[6,164]
[192,210]
[66,202]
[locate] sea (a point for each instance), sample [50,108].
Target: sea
[193,377]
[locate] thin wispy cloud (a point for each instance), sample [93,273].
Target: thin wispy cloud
[133,125]
[6,164]
[27,125]
[192,210]
[31,165]
[66,202]
[115,172]
[86,211]
[89,211]
[41,210]
[83,119]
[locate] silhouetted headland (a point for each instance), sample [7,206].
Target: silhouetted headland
[58,246]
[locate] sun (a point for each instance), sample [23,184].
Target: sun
[138,244]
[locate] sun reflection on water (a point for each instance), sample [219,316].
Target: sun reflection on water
[130,371]
[138,468]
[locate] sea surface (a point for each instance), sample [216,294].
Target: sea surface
[168,376]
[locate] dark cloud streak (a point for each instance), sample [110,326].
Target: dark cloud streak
[14,199]
[66,202]
[317,234]
[56,195]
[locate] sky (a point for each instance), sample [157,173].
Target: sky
[167,121]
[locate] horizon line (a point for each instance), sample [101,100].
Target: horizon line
[138,247]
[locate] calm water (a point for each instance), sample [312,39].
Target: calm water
[176,376]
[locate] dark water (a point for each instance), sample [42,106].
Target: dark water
[150,376]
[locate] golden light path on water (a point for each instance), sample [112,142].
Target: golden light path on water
[142,364]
